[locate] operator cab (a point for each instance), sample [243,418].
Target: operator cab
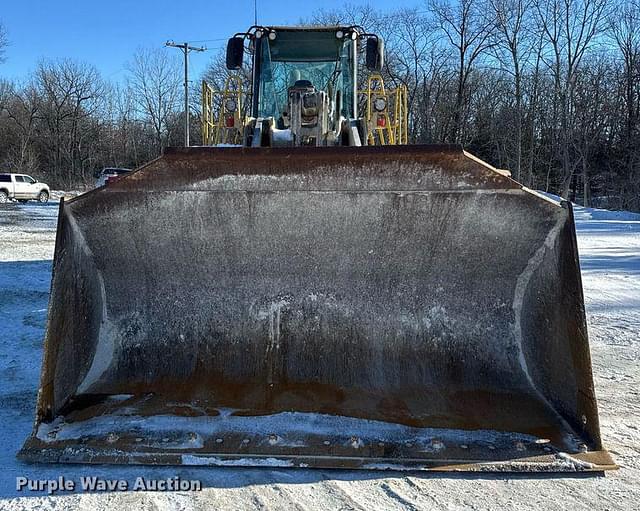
[304,79]
[304,62]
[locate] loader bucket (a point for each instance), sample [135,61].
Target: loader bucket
[401,307]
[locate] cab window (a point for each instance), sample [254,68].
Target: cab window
[318,57]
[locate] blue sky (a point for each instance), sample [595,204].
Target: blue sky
[106,33]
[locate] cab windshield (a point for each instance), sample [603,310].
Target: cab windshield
[319,57]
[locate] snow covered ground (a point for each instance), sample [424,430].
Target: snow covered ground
[610,258]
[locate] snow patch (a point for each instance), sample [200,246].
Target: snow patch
[188,459]
[286,426]
[574,463]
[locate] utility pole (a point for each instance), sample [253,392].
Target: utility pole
[185,50]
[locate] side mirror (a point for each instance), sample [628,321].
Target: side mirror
[375,54]
[235,52]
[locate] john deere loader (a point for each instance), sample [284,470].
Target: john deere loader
[317,299]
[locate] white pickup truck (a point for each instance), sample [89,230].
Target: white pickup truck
[22,188]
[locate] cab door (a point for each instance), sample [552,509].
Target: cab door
[31,188]
[21,186]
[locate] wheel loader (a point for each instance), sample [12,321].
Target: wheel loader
[312,300]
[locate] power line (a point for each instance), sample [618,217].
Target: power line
[186,49]
[208,40]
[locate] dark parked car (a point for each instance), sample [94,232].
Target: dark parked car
[110,173]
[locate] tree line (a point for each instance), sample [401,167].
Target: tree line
[549,89]
[65,121]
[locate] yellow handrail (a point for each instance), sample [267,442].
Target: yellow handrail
[208,116]
[386,113]
[384,128]
[228,126]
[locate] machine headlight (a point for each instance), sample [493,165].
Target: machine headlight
[272,36]
[339,34]
[230,105]
[258,34]
[380,104]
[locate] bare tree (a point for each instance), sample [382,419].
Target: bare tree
[514,46]
[625,32]
[155,79]
[4,42]
[533,111]
[6,88]
[412,55]
[22,108]
[592,116]
[362,15]
[71,95]
[469,31]
[569,28]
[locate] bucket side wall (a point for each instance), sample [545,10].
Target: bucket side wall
[554,331]
[75,315]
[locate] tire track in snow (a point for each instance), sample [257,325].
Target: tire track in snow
[339,494]
[396,495]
